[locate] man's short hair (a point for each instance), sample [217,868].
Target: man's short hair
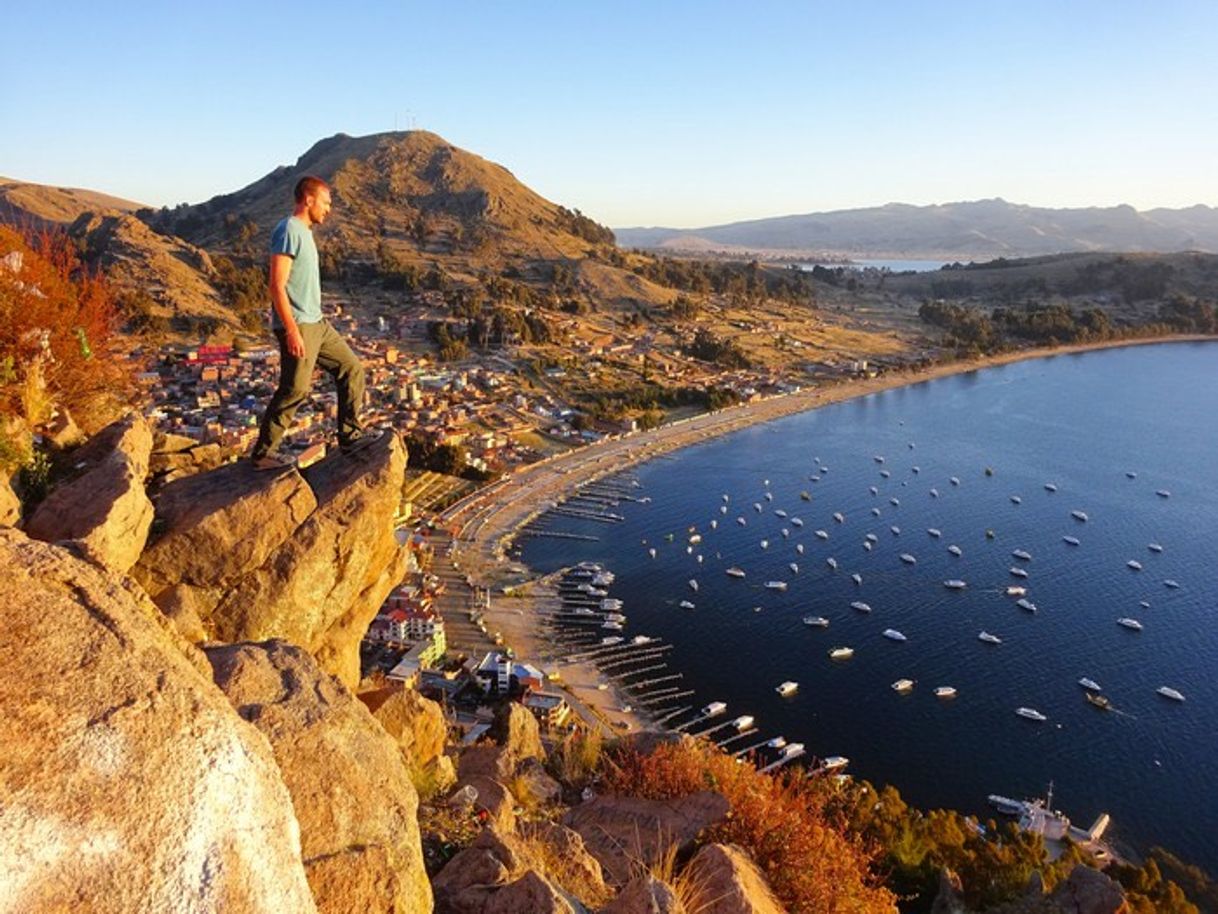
[309,184]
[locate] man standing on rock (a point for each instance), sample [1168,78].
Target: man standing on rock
[306,339]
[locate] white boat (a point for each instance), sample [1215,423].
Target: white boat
[792,750]
[896,531]
[1155,547]
[894,501]
[934,493]
[954,481]
[794,568]
[1134,564]
[1030,714]
[841,653]
[685,604]
[765,544]
[934,532]
[1018,572]
[695,539]
[615,617]
[1145,604]
[612,626]
[777,742]
[805,495]
[1130,474]
[822,534]
[814,478]
[769,496]
[735,572]
[885,473]
[831,562]
[833,762]
[839,517]
[893,635]
[903,685]
[1169,692]
[945,691]
[861,606]
[1049,487]
[714,525]
[741,521]
[652,552]
[857,578]
[1130,623]
[796,522]
[1016,591]
[908,559]
[723,509]
[641,639]
[1079,515]
[1070,540]
[816,621]
[872,538]
[955,584]
[612,639]
[873,490]
[799,547]
[1016,500]
[1170,583]
[776,585]
[988,638]
[954,550]
[787,688]
[868,546]
[744,721]
[785,532]
[916,469]
[1024,603]
[1163,493]
[1022,555]
[714,709]
[878,459]
[779,512]
[693,584]
[726,497]
[757,506]
[1090,685]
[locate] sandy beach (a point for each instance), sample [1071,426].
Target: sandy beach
[483,524]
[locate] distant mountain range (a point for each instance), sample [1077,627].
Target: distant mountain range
[980,229]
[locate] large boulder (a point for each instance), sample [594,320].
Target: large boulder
[305,556]
[1088,891]
[516,729]
[624,833]
[728,882]
[10,504]
[532,893]
[645,894]
[104,510]
[465,883]
[419,727]
[353,797]
[127,782]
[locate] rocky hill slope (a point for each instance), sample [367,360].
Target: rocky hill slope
[971,230]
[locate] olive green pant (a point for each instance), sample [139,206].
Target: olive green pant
[324,349]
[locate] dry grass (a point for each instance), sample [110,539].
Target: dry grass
[576,760]
[692,891]
[562,869]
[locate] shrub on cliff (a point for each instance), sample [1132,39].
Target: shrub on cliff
[781,820]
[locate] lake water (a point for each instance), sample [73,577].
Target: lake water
[1080,422]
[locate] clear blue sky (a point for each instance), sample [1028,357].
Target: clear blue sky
[661,113]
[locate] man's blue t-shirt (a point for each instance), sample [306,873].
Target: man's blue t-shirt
[292,237]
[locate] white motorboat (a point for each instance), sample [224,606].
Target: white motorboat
[988,638]
[1145,604]
[765,544]
[1025,603]
[805,495]
[908,559]
[744,722]
[792,750]
[794,567]
[861,606]
[841,653]
[896,531]
[693,584]
[833,762]
[885,473]
[1018,572]
[903,685]
[1170,584]
[871,538]
[1049,487]
[799,547]
[1016,500]
[955,550]
[1132,624]
[1169,692]
[1134,564]
[785,532]
[868,546]
[954,481]
[1090,685]
[726,497]
[735,572]
[685,604]
[769,496]
[1130,474]
[1079,516]
[1022,555]
[652,552]
[779,512]
[612,639]
[894,501]
[873,490]
[787,688]
[816,621]
[1030,714]
[934,532]
[714,709]
[945,691]
[796,522]
[1155,547]
[1016,591]
[893,635]
[839,517]
[915,469]
[831,562]
[612,626]
[822,534]
[757,506]
[1070,540]
[714,525]
[695,539]
[1163,493]
[776,585]
[857,578]
[741,521]
[723,509]
[955,584]
[934,493]
[777,742]
[878,459]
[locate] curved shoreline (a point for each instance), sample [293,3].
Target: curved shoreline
[484,522]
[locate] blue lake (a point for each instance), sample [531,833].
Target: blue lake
[1081,422]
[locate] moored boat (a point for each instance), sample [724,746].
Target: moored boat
[989,639]
[787,688]
[816,621]
[1132,624]
[1018,572]
[841,653]
[1079,515]
[1071,540]
[861,606]
[908,559]
[955,584]
[1030,714]
[1025,603]
[735,572]
[903,685]
[1089,684]
[776,585]
[1169,692]
[945,691]
[955,550]
[893,635]
[1099,701]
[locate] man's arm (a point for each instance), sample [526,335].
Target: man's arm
[281,265]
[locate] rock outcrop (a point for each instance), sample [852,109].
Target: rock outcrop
[728,882]
[1084,891]
[127,782]
[104,511]
[305,556]
[622,832]
[418,726]
[645,895]
[176,456]
[352,793]
[10,504]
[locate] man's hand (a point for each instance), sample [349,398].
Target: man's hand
[295,342]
